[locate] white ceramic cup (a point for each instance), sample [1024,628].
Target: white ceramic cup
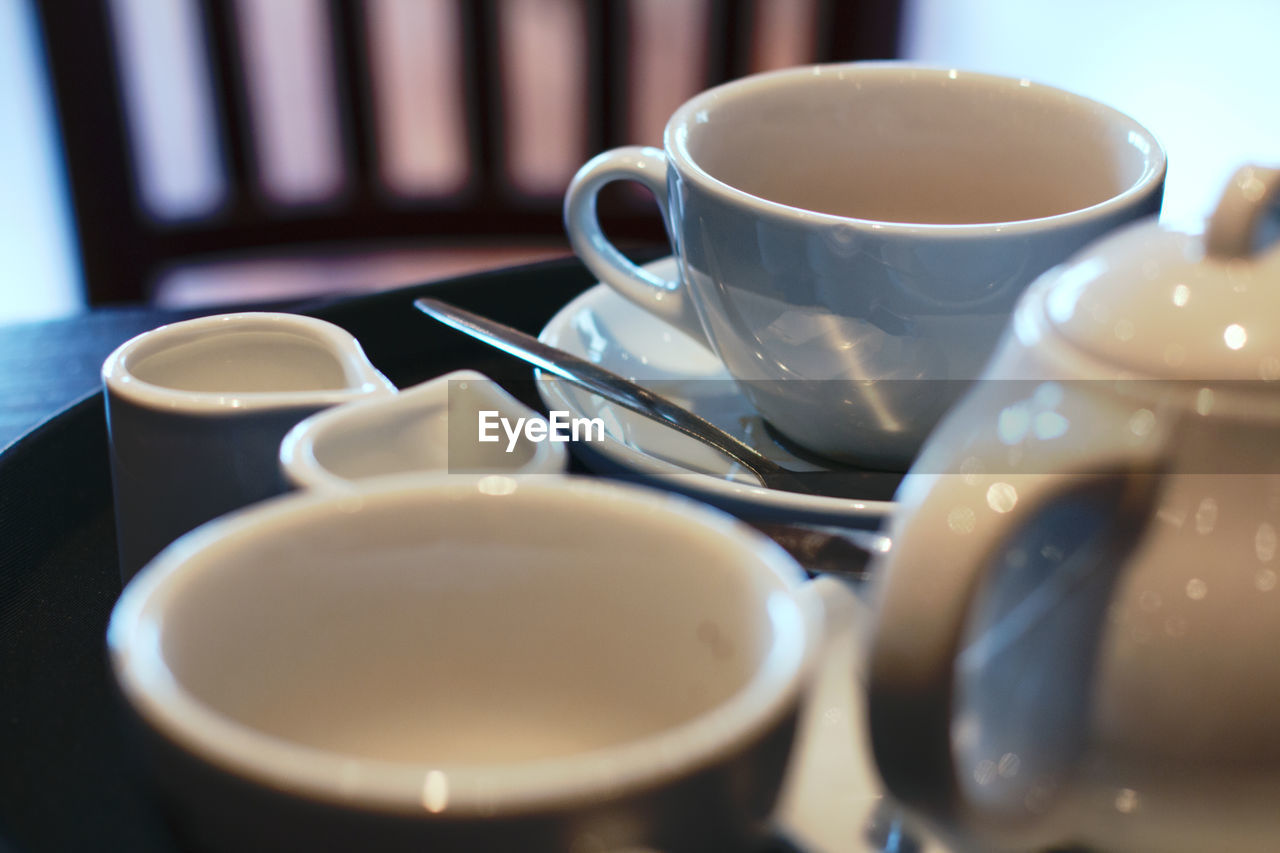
[196,411]
[852,238]
[429,429]
[501,664]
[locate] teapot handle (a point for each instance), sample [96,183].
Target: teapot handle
[1252,193]
[948,527]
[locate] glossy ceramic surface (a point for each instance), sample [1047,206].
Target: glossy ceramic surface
[846,231]
[1075,625]
[435,667]
[196,411]
[1193,306]
[430,429]
[602,326]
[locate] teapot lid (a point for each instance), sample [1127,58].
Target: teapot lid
[1166,304]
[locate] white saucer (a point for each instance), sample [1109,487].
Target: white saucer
[602,327]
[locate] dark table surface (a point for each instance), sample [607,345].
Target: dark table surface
[45,366]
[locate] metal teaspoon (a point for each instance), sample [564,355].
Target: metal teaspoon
[819,548]
[834,482]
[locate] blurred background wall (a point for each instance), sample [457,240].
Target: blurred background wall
[1195,73]
[39,269]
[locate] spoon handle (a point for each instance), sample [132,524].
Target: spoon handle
[827,550]
[819,549]
[607,384]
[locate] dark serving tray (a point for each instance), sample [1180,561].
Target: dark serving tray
[69,777]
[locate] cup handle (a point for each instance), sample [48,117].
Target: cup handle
[647,166]
[955,524]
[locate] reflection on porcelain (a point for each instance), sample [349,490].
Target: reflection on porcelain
[601,326]
[1076,625]
[461,664]
[196,411]
[850,224]
[431,428]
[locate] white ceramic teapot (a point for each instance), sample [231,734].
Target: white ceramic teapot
[1078,630]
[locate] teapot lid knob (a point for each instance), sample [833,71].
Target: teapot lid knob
[1236,226]
[1151,301]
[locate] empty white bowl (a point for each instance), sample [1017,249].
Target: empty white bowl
[524,664]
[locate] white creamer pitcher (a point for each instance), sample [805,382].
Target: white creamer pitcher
[196,411]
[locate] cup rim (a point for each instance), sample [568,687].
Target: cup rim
[770,693]
[675,144]
[120,381]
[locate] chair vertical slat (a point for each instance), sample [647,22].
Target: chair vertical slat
[868,29]
[605,73]
[610,71]
[78,45]
[672,58]
[420,108]
[822,41]
[729,40]
[353,96]
[783,33]
[231,105]
[481,76]
[163,70]
[289,60]
[542,54]
[717,54]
